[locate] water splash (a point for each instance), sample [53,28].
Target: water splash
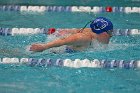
[97,46]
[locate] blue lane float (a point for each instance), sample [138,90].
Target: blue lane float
[77,63]
[10,8]
[28,31]
[94,9]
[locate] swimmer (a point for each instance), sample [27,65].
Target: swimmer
[100,29]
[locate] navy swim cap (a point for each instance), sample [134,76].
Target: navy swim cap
[100,25]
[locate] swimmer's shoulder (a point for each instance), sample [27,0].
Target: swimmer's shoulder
[87,30]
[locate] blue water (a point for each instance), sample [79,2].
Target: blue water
[73,2]
[26,79]
[67,80]
[120,47]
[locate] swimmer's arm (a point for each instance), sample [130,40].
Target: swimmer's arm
[75,39]
[73,31]
[71,40]
[69,31]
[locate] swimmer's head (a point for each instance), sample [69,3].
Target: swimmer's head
[100,25]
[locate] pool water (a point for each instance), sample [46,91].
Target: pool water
[23,79]
[120,47]
[73,2]
[26,79]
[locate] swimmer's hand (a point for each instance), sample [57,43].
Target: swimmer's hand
[37,47]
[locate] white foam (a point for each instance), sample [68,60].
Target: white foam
[96,46]
[27,49]
[60,49]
